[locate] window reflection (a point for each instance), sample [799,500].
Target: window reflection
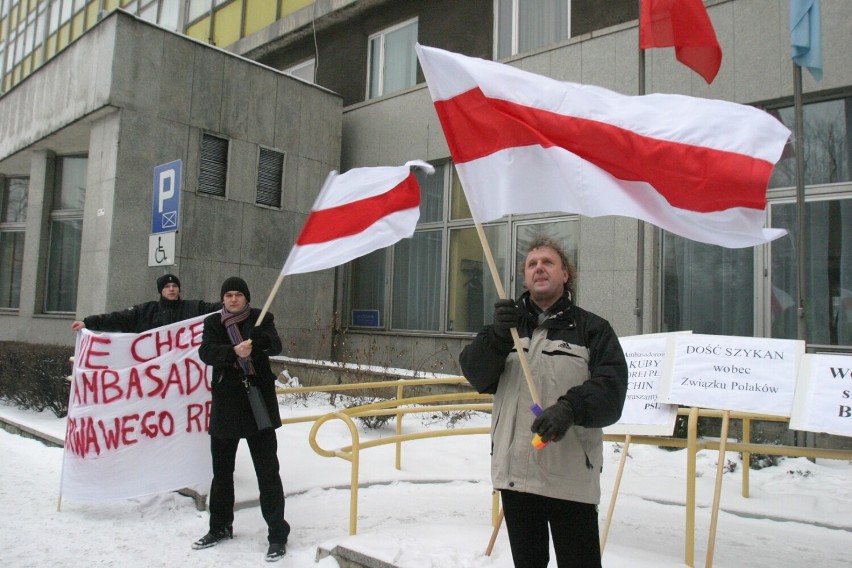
[472,293]
[417,282]
[828,270]
[826,144]
[13,216]
[367,290]
[66,232]
[707,288]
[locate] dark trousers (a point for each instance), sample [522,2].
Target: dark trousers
[264,454]
[574,527]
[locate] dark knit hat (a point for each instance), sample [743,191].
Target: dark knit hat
[166,279]
[235,284]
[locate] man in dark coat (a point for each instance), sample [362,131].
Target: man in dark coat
[239,351]
[148,315]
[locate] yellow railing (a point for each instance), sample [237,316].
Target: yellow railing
[397,407]
[693,445]
[400,406]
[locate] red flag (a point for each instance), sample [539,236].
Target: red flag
[356,213]
[684,25]
[524,143]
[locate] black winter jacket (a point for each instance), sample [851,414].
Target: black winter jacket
[231,415]
[149,315]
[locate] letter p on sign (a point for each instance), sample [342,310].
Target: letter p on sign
[167,187]
[166,199]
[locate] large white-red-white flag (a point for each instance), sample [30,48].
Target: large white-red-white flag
[525,143]
[356,213]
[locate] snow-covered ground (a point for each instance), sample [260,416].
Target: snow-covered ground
[435,512]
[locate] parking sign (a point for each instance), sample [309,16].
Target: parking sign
[166,202]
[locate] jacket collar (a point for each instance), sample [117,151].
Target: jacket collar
[167,304]
[557,311]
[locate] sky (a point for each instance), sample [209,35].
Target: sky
[433,513]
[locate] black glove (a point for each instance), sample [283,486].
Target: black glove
[554,421]
[258,338]
[506,316]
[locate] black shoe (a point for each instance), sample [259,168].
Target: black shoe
[213,537]
[276,551]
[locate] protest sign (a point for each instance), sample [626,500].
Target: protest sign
[746,374]
[643,413]
[138,414]
[823,401]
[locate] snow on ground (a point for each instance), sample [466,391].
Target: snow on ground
[435,512]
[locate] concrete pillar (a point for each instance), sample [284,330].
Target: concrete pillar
[36,245]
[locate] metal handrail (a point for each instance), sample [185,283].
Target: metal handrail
[399,407]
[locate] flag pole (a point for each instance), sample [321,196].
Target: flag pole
[801,226]
[614,496]
[269,299]
[492,266]
[640,224]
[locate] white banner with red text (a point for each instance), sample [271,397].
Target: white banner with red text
[138,414]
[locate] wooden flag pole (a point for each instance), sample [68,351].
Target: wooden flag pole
[615,491]
[269,300]
[514,331]
[494,534]
[717,494]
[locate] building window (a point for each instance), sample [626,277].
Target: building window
[443,266]
[66,229]
[270,177]
[13,216]
[525,25]
[367,285]
[470,289]
[707,288]
[198,9]
[417,274]
[67,9]
[754,291]
[213,167]
[392,62]
[304,70]
[827,132]
[828,280]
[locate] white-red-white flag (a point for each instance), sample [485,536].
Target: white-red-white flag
[524,143]
[356,213]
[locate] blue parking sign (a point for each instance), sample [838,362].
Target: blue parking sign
[164,210]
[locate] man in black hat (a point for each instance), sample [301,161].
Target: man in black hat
[142,317]
[239,351]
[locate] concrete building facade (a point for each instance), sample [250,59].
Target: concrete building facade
[415,305]
[88,128]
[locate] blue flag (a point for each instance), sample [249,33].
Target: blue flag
[806,36]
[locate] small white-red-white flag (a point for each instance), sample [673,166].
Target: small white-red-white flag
[356,213]
[525,143]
